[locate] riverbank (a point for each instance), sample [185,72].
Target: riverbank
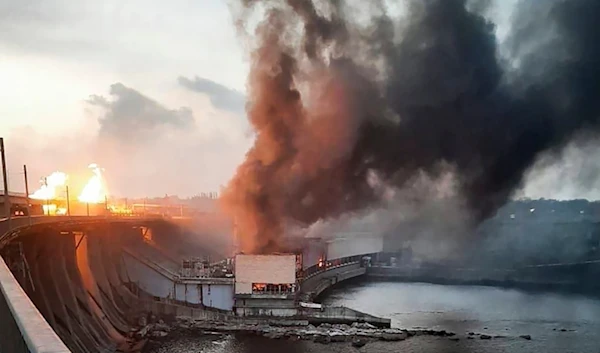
[357,334]
[530,279]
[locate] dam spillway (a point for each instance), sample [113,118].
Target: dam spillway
[83,279]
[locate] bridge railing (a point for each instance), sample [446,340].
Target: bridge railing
[23,329]
[328,265]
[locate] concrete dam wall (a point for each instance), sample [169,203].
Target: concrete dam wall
[83,278]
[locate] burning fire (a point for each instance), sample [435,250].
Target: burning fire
[54,185]
[48,190]
[94,192]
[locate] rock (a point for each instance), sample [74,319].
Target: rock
[142,321]
[337,338]
[454,339]
[273,335]
[159,334]
[499,336]
[162,327]
[400,336]
[470,337]
[363,325]
[485,337]
[161,322]
[442,333]
[471,333]
[358,342]
[322,339]
[144,331]
[341,326]
[527,337]
[325,325]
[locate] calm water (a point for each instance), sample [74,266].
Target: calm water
[460,309]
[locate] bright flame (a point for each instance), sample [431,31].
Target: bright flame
[52,209]
[49,185]
[94,192]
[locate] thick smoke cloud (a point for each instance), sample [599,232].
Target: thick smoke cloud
[221,97]
[336,99]
[131,116]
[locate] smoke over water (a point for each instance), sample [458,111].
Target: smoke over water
[349,102]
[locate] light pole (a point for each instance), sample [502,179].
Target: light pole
[68,201]
[5,180]
[47,199]
[27,192]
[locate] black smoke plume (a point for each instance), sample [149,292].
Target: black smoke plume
[341,90]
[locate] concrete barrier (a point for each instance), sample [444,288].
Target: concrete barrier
[23,328]
[313,286]
[344,315]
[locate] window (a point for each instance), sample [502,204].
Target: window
[270,288]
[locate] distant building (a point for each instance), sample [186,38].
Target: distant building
[18,204]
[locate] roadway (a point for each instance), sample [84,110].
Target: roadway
[11,227]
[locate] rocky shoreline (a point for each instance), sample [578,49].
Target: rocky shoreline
[358,334]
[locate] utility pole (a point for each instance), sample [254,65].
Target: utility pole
[27,192]
[5,179]
[68,201]
[47,200]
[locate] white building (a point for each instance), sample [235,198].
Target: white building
[265,285]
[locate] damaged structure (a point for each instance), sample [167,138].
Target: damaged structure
[265,285]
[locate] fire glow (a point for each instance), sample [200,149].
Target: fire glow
[55,185]
[50,184]
[94,191]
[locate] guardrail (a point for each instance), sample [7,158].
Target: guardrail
[23,329]
[328,265]
[9,229]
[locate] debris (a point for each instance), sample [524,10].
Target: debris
[159,334]
[358,342]
[393,336]
[527,337]
[322,339]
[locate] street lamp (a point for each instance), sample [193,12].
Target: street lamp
[45,182]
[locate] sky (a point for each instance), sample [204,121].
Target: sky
[153,92]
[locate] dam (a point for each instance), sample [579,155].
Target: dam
[92,282]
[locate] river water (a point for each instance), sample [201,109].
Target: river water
[557,323]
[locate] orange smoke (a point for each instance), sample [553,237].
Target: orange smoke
[306,125]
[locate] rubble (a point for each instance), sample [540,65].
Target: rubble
[358,342]
[357,334]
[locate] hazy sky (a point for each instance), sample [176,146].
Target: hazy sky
[77,74]
[153,91]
